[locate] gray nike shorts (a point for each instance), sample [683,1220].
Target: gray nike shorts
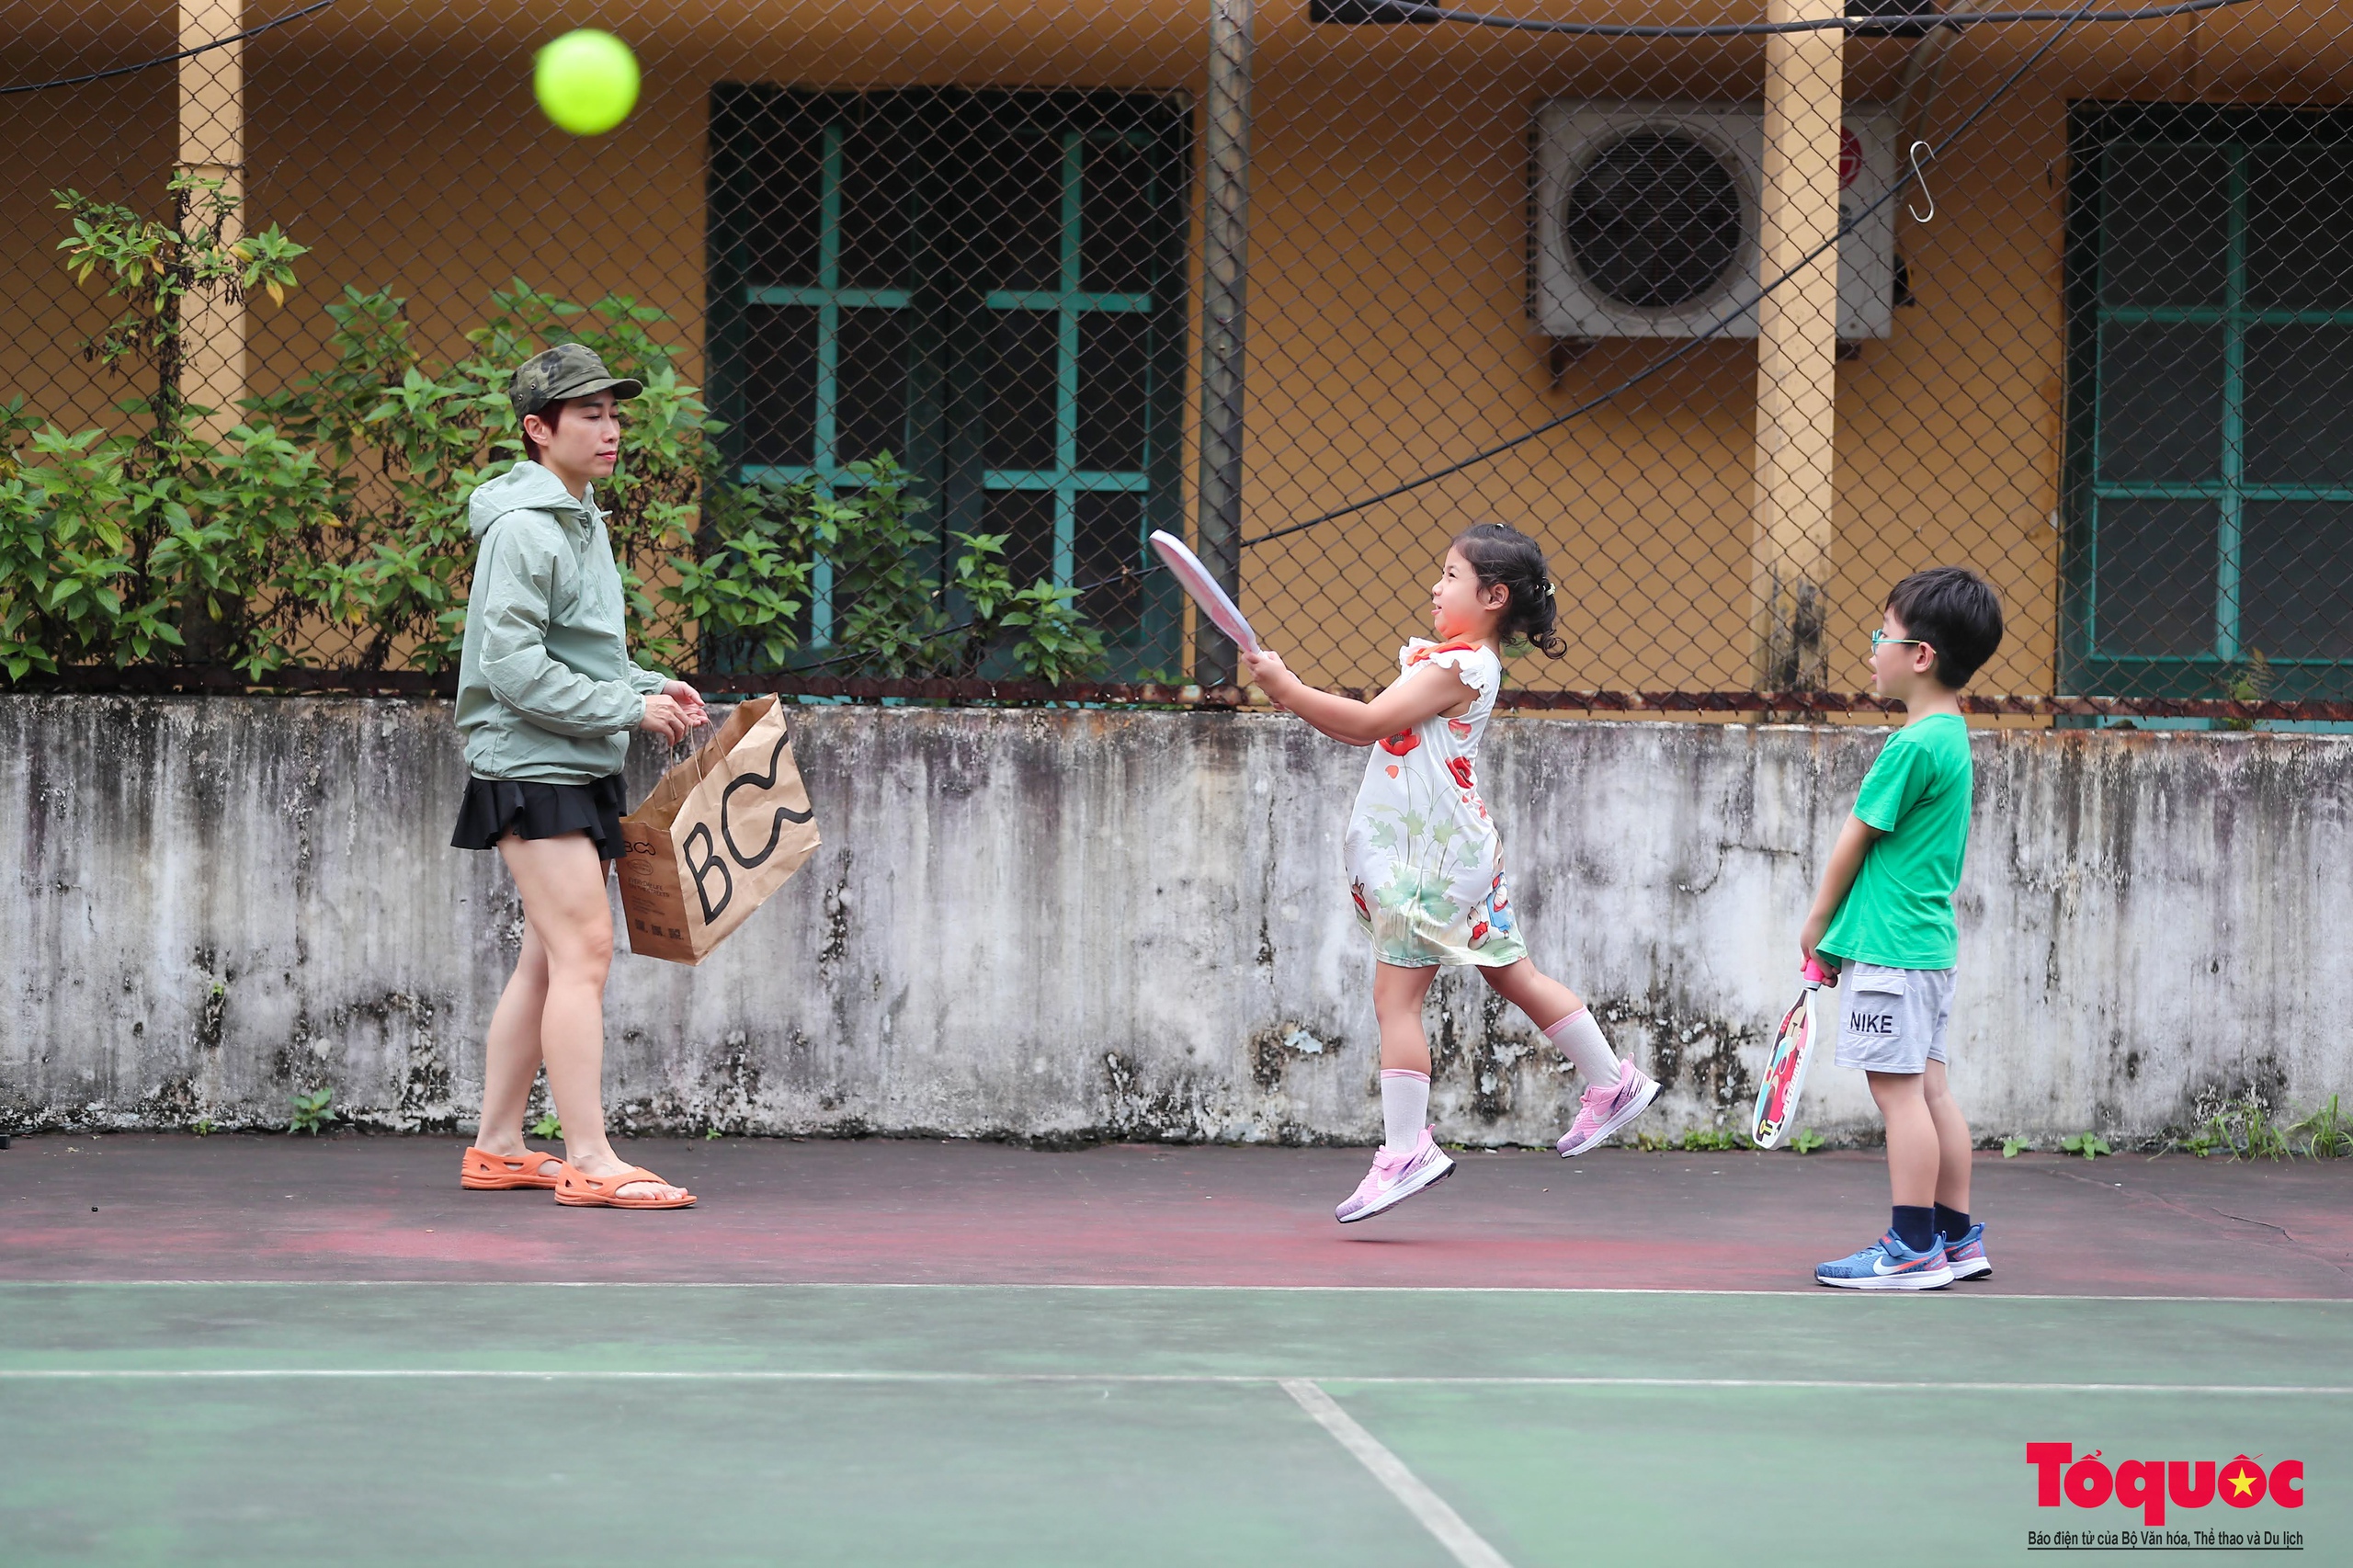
[1892,1020]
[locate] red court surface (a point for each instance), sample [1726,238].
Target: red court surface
[122,1206]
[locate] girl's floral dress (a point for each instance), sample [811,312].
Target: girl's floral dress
[1425,864]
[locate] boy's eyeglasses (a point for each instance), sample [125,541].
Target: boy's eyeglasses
[1878,638]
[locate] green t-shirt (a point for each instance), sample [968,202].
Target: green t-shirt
[1899,913]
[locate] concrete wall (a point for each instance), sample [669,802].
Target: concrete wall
[1064,926]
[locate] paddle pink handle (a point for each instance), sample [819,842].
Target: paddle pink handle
[1815,974]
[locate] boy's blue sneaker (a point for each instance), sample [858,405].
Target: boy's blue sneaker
[1966,1252]
[1888,1265]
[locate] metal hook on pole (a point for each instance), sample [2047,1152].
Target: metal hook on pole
[1917,147]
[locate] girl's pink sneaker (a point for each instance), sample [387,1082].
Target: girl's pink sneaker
[1395,1178]
[1603,1111]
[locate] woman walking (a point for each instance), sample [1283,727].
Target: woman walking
[547,697]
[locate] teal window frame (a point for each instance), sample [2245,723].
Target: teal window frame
[2096,132]
[1069,304]
[825,468]
[950,322]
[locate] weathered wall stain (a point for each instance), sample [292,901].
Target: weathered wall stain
[1057,926]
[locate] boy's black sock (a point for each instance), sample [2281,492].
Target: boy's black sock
[1951,1223]
[1915,1226]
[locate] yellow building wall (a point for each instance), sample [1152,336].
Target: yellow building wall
[1389,336]
[1388,328]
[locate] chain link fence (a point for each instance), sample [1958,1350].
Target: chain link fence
[943,308]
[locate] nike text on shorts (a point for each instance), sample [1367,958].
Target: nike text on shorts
[1892,1020]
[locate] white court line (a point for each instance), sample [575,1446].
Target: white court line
[767,1375]
[1811,1293]
[1463,1543]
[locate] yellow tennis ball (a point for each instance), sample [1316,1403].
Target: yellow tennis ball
[586,81]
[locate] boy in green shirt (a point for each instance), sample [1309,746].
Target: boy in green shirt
[1883,916]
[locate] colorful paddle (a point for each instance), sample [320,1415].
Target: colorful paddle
[1188,570]
[1784,1080]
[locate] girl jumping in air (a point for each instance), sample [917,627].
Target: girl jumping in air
[1426,865]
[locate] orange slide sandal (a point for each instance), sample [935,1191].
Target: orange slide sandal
[577,1190]
[484,1172]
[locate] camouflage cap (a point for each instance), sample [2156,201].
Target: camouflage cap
[567,370]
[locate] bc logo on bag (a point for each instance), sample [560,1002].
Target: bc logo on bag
[722,831]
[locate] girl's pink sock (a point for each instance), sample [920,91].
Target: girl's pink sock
[1405,1107]
[1579,1039]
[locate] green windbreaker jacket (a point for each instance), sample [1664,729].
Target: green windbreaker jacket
[546,689]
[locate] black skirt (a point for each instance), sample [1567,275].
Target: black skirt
[496,806]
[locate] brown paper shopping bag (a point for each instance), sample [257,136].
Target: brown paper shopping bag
[722,831]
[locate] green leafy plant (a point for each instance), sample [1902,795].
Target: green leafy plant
[15,426]
[1705,1140]
[201,1127]
[118,547]
[749,585]
[895,617]
[2249,680]
[733,565]
[2013,1147]
[154,265]
[334,517]
[313,1111]
[1806,1141]
[547,1126]
[2239,1125]
[407,441]
[70,567]
[2327,1132]
[2090,1145]
[1056,644]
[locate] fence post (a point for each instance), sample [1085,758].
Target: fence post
[1225,274]
[1797,349]
[212,146]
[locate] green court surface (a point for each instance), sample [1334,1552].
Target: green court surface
[358,1422]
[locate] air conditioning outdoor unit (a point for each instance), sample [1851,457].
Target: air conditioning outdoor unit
[1646,220]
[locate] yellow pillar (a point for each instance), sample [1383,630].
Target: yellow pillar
[212,146]
[1796,348]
